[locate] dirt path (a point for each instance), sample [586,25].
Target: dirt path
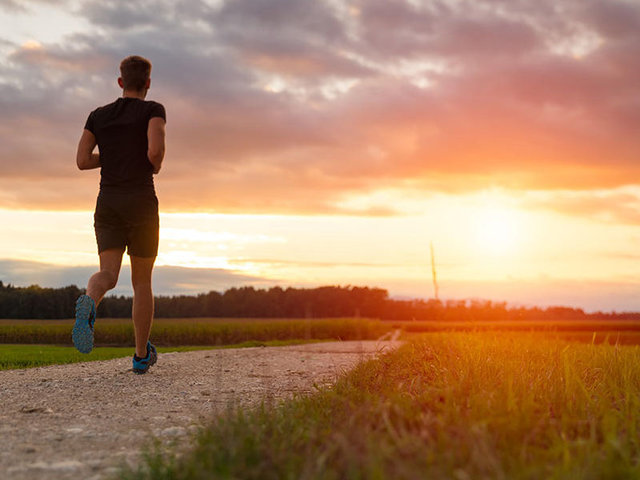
[84,420]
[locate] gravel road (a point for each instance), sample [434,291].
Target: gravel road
[84,420]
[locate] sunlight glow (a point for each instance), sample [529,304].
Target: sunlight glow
[496,230]
[192,259]
[493,243]
[212,237]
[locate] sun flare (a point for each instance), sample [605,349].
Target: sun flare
[496,230]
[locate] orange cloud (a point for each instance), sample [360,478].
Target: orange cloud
[432,96]
[618,207]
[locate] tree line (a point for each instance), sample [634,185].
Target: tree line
[323,302]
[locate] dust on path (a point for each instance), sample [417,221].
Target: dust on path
[84,420]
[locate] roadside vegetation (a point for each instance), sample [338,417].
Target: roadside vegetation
[180,332]
[459,405]
[28,356]
[625,332]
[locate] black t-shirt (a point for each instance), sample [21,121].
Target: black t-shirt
[120,129]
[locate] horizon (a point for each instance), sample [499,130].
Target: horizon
[330,143]
[168,277]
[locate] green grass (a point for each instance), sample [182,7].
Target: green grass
[178,332]
[447,406]
[28,356]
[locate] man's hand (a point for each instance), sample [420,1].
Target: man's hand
[155,137]
[85,158]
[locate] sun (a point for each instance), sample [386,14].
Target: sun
[496,230]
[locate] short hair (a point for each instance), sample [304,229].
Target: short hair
[135,71]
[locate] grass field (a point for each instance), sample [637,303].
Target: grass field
[421,326]
[28,356]
[461,405]
[225,331]
[195,331]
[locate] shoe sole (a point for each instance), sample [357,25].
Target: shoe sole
[82,334]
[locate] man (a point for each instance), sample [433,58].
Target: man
[130,135]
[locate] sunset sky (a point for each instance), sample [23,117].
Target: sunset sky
[329,142]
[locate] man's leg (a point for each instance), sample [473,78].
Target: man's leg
[141,270]
[107,278]
[99,283]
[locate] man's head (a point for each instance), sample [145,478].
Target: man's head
[135,74]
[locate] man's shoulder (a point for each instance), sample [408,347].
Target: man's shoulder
[154,106]
[128,107]
[155,109]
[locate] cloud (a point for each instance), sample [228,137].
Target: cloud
[288,106]
[621,206]
[135,15]
[167,280]
[590,295]
[12,6]
[614,19]
[471,30]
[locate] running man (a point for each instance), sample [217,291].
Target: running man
[130,135]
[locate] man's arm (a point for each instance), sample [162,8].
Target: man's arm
[85,158]
[155,137]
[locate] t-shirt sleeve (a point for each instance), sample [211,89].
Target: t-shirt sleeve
[89,124]
[157,110]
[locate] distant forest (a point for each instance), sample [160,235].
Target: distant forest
[323,302]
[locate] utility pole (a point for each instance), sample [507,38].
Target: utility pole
[433,271]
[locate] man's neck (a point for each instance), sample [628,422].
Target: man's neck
[133,94]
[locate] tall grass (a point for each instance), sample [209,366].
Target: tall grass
[449,406]
[200,332]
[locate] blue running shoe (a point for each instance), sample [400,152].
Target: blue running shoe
[82,333]
[141,365]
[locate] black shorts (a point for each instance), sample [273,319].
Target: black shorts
[127,220]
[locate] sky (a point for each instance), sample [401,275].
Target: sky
[331,142]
